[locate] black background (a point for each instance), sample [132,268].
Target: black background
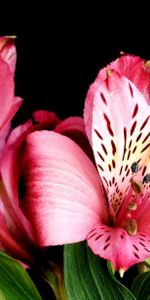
[60,51]
[62,47]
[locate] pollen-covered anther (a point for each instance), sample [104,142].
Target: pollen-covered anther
[135,167]
[131,226]
[146,178]
[121,272]
[132,205]
[137,187]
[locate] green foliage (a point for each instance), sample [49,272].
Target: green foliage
[15,283]
[88,278]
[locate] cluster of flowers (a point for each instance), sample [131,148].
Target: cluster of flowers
[78,179]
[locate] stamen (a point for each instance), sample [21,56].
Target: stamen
[132,205]
[146,178]
[131,226]
[121,272]
[136,187]
[135,167]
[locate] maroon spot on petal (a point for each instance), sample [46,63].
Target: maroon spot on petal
[108,239]
[125,140]
[131,90]
[126,167]
[135,111]
[144,124]
[113,163]
[113,180]
[145,148]
[136,255]
[108,124]
[110,182]
[113,147]
[98,237]
[135,247]
[98,134]
[103,98]
[133,128]
[138,137]
[123,179]
[130,144]
[142,239]
[129,153]
[122,236]
[104,149]
[121,170]
[146,249]
[109,166]
[142,234]
[146,138]
[142,244]
[127,172]
[105,180]
[106,246]
[134,149]
[101,157]
[144,169]
[90,236]
[100,167]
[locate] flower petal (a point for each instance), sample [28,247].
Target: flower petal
[46,118]
[74,128]
[135,69]
[116,245]
[12,159]
[8,51]
[63,193]
[119,133]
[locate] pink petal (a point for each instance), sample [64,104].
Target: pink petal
[8,51]
[74,128]
[12,159]
[8,103]
[118,133]
[46,118]
[116,245]
[63,192]
[135,69]
[17,102]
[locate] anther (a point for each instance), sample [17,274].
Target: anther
[132,205]
[131,226]
[135,167]
[136,187]
[146,178]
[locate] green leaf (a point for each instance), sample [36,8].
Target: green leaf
[15,283]
[141,286]
[87,276]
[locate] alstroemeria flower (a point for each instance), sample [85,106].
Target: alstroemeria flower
[9,104]
[16,234]
[69,200]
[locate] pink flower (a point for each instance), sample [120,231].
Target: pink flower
[9,104]
[68,200]
[16,233]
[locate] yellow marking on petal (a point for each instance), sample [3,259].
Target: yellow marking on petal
[121,272]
